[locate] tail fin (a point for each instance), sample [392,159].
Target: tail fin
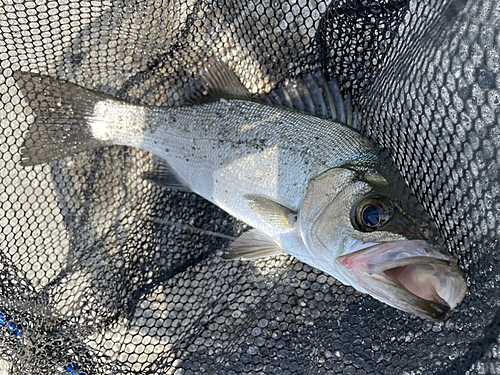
[62,113]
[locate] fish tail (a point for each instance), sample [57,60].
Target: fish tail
[63,113]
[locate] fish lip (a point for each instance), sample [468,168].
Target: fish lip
[369,262]
[420,251]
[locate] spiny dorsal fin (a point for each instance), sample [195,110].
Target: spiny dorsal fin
[312,93]
[271,212]
[252,245]
[217,81]
[162,175]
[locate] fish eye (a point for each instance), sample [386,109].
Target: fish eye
[371,213]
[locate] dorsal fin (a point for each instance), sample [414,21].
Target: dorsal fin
[312,93]
[217,81]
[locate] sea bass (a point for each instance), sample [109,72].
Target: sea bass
[309,186]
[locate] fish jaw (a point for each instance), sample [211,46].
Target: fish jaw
[413,276]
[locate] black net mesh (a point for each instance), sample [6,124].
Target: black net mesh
[102,272]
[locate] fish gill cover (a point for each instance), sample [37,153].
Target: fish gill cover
[103,272]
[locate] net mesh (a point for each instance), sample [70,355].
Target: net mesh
[103,272]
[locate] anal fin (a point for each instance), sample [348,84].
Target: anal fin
[253,244]
[162,175]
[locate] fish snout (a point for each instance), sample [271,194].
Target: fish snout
[414,276]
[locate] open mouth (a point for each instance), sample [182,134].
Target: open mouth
[411,275]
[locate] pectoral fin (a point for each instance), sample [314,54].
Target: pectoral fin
[271,212]
[252,245]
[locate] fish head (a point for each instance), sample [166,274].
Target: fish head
[363,225]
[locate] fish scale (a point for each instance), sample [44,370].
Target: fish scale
[252,149]
[302,182]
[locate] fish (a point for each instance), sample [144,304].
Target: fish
[308,186]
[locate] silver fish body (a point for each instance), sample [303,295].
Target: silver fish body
[232,148]
[309,187]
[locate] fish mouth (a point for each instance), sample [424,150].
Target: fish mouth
[414,276]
